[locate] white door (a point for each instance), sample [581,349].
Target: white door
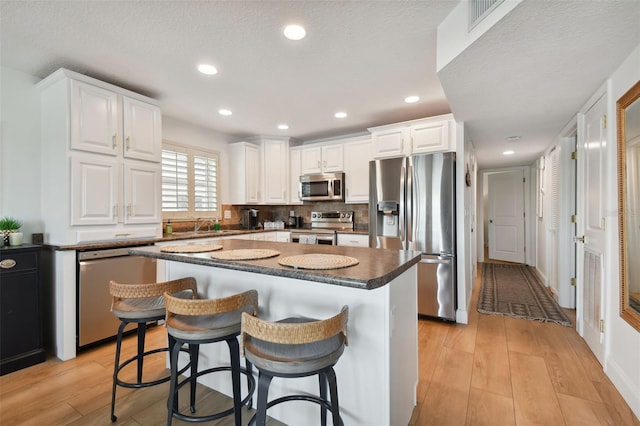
[591,198]
[506,216]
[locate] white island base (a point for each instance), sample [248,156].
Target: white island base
[378,372]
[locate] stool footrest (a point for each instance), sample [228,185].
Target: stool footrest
[139,385]
[221,414]
[308,398]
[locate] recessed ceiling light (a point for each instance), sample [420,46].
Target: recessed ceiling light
[283,126]
[340,114]
[412,99]
[207,69]
[508,152]
[294,32]
[224,112]
[513,138]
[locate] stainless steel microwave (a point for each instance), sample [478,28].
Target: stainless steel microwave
[322,187]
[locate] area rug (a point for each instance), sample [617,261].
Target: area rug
[516,291]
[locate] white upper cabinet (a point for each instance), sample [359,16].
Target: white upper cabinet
[106,122]
[94,136]
[294,175]
[357,155]
[142,129]
[321,158]
[276,170]
[430,137]
[244,173]
[94,119]
[433,134]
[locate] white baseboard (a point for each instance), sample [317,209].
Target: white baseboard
[625,385]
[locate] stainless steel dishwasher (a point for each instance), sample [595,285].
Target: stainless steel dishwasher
[95,269]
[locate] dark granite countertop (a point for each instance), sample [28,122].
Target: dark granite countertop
[377,267]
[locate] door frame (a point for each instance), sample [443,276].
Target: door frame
[529,207]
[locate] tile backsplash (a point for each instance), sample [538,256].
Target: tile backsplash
[281,212]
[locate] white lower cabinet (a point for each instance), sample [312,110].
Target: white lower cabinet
[142,197]
[95,190]
[353,240]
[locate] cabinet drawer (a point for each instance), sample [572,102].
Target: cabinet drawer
[18,262]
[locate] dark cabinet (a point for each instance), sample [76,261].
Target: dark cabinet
[20,308]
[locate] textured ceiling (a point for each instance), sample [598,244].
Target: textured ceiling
[528,75]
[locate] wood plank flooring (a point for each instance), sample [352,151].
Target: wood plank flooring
[494,371]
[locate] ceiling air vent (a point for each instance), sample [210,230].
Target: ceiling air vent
[479,9]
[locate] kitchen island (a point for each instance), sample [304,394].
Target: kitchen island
[378,372]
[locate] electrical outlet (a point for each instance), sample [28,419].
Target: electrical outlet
[227,214]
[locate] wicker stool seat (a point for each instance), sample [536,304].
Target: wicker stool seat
[196,322]
[296,347]
[142,303]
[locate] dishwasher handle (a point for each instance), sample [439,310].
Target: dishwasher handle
[435,259]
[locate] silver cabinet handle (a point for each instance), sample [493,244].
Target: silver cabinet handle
[114,140]
[128,143]
[8,263]
[443,261]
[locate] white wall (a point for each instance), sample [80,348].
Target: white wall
[20,150]
[622,346]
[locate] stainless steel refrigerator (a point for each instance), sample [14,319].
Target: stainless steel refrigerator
[412,206]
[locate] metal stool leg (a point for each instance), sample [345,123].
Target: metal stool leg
[249,368]
[263,392]
[172,402]
[333,390]
[234,351]
[194,351]
[115,371]
[142,331]
[322,379]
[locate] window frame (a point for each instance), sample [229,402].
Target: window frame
[192,152]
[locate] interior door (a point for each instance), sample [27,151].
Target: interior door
[506,216]
[591,243]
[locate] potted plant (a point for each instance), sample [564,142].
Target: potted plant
[9,225]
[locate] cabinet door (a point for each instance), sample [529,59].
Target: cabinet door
[276,176]
[95,191]
[253,175]
[94,119]
[311,160]
[142,130]
[332,158]
[142,183]
[353,240]
[389,143]
[356,167]
[430,137]
[294,176]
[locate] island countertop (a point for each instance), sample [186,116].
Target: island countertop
[376,267]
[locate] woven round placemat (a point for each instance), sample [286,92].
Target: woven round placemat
[245,254]
[190,248]
[318,261]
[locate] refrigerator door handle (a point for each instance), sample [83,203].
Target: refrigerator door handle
[411,214]
[402,217]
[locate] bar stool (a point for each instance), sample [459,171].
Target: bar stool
[141,303]
[202,321]
[296,347]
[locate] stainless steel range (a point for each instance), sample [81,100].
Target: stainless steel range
[323,228]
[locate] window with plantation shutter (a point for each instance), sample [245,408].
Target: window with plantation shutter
[189,182]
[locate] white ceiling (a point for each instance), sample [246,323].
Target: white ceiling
[527,76]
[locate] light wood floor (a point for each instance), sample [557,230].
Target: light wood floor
[495,371]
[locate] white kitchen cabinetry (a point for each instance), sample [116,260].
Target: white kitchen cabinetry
[101,171]
[294,175]
[433,134]
[357,155]
[322,158]
[106,122]
[244,173]
[276,170]
[353,240]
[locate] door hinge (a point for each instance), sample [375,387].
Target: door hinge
[574,218]
[574,155]
[573,282]
[601,326]
[604,121]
